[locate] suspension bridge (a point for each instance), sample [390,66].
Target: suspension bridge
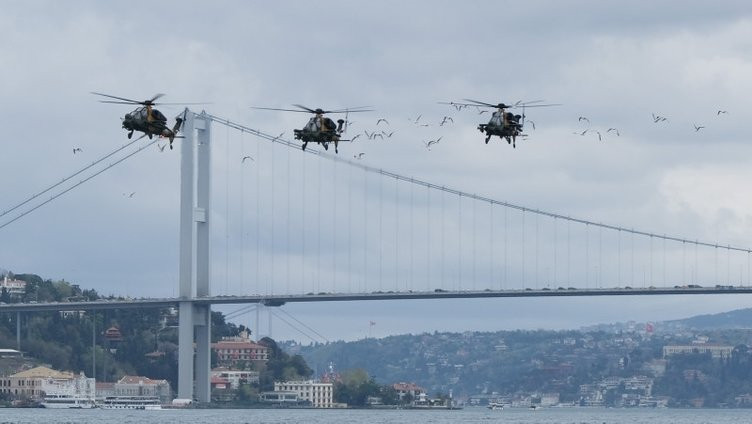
[294,226]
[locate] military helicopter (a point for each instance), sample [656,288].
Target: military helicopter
[146,119]
[504,124]
[320,129]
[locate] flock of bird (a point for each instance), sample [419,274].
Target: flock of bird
[382,130]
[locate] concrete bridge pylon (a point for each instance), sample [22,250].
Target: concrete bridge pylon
[194,319]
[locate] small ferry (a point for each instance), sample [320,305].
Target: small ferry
[52,401]
[494,406]
[131,402]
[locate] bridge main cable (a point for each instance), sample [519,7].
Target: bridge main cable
[280,140]
[55,196]
[34,196]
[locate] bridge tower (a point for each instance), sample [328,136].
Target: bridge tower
[194,319]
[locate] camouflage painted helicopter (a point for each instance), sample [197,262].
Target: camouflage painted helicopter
[321,129]
[146,119]
[504,124]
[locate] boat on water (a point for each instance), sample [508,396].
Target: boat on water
[494,406]
[131,402]
[53,401]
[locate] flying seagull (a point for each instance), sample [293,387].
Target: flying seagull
[244,158]
[77,150]
[615,130]
[359,156]
[445,119]
[429,143]
[698,127]
[583,118]
[658,118]
[382,120]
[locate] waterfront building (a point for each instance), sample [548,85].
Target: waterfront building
[140,386]
[320,395]
[235,378]
[30,383]
[413,390]
[10,353]
[36,383]
[80,386]
[549,399]
[280,397]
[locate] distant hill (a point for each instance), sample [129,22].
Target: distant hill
[513,361]
[732,320]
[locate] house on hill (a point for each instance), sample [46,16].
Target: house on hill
[233,350]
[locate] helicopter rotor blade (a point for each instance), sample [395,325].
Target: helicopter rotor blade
[120,103]
[178,103]
[306,108]
[156,96]
[479,103]
[546,105]
[520,103]
[283,110]
[351,110]
[116,97]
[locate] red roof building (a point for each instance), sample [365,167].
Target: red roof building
[232,350]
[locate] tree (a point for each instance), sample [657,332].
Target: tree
[5,296]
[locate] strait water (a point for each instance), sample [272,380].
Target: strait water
[468,415]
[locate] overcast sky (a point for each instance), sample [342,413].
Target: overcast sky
[314,226]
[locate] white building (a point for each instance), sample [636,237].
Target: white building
[716,351]
[640,383]
[80,386]
[549,399]
[279,397]
[236,378]
[321,395]
[131,385]
[12,286]
[35,382]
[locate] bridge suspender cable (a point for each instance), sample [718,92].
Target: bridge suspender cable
[456,192]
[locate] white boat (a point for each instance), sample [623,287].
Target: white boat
[131,402]
[68,402]
[495,406]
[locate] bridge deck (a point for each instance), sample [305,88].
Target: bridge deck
[278,300]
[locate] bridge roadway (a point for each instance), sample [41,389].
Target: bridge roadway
[279,300]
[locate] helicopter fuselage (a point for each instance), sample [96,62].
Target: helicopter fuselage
[510,132]
[325,133]
[140,120]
